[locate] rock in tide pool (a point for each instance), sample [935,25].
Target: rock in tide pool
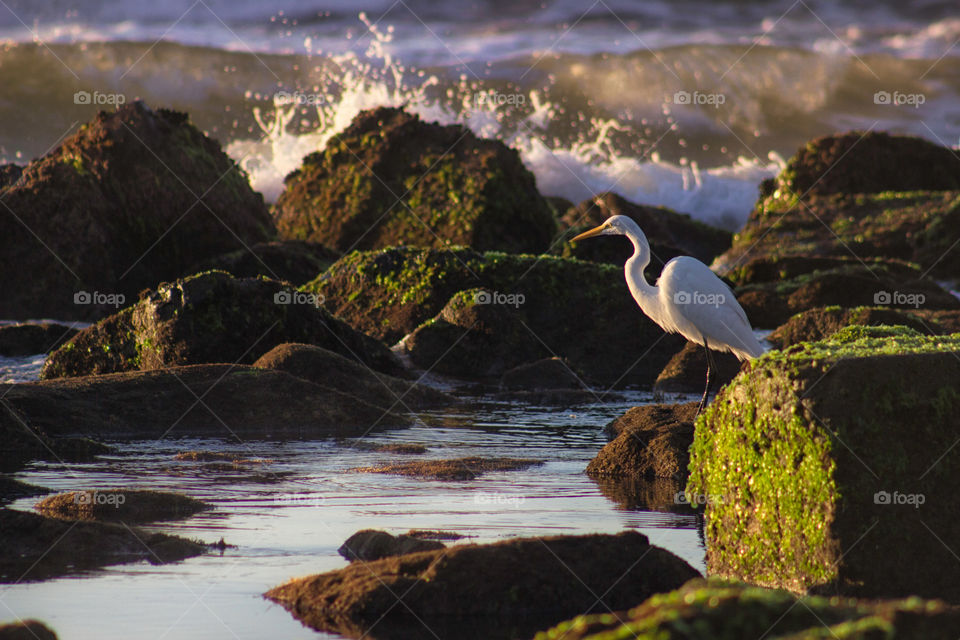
[120,505]
[27,339]
[237,401]
[369,545]
[686,372]
[652,441]
[335,371]
[476,316]
[830,467]
[502,590]
[37,547]
[452,469]
[207,318]
[717,609]
[26,630]
[116,208]
[390,179]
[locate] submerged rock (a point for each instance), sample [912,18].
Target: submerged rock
[293,261]
[120,505]
[670,234]
[369,545]
[333,370]
[391,179]
[206,318]
[717,609]
[455,469]
[38,548]
[213,399]
[479,315]
[652,441]
[133,198]
[12,489]
[826,463]
[687,370]
[26,630]
[22,442]
[27,339]
[549,373]
[502,590]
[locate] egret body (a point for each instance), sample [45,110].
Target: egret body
[688,299]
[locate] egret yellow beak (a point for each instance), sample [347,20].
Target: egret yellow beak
[589,234]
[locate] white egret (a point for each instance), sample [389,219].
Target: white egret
[688,299]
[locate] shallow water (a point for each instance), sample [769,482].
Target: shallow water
[289,515]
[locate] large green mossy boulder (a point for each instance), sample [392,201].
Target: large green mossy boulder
[832,467]
[717,609]
[390,178]
[211,317]
[476,315]
[132,198]
[822,322]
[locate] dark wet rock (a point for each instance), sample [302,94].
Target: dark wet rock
[333,370]
[725,610]
[26,630]
[922,227]
[770,304]
[293,261]
[207,318]
[548,373]
[37,547]
[652,441]
[869,162]
[12,489]
[455,469]
[687,371]
[22,442]
[479,315]
[508,589]
[426,534]
[766,269]
[216,456]
[822,322]
[120,505]
[823,464]
[391,179]
[369,545]
[632,493]
[392,447]
[133,198]
[670,234]
[27,339]
[9,174]
[213,399]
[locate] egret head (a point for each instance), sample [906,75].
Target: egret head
[612,226]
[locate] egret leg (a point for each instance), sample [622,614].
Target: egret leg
[706,390]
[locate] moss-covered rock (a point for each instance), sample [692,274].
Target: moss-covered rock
[391,179]
[831,466]
[822,322]
[869,162]
[36,547]
[210,317]
[295,261]
[369,545]
[652,441]
[670,234]
[133,198]
[229,401]
[917,226]
[487,313]
[717,609]
[452,469]
[120,505]
[509,589]
[771,303]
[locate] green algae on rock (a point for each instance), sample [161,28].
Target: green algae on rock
[390,179]
[120,505]
[830,466]
[486,313]
[823,322]
[134,197]
[210,317]
[718,609]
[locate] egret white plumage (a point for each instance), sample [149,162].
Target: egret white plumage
[688,299]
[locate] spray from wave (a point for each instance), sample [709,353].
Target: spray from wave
[575,168]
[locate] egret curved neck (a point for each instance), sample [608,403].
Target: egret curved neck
[642,292]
